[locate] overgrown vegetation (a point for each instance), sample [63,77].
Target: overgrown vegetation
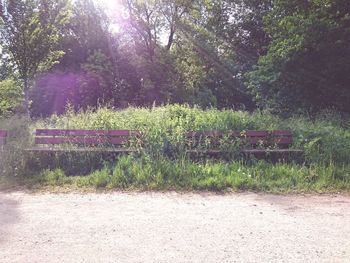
[163,164]
[286,55]
[163,174]
[284,63]
[325,139]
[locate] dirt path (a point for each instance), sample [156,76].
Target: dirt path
[171,227]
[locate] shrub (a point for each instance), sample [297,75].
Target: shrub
[54,177]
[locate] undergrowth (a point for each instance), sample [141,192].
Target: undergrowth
[161,162]
[325,138]
[129,174]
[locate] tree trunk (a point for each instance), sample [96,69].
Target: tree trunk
[26,97]
[171,38]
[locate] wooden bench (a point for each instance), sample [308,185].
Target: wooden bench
[3,136]
[63,140]
[255,142]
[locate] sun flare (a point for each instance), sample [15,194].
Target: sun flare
[115,11]
[110,5]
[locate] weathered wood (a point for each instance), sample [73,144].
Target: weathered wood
[254,133]
[245,133]
[255,139]
[81,149]
[249,136]
[93,141]
[69,140]
[3,133]
[282,133]
[251,151]
[2,140]
[254,151]
[70,132]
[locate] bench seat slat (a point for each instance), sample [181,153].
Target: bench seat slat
[248,133]
[278,141]
[273,151]
[2,140]
[81,149]
[81,140]
[254,133]
[284,140]
[252,151]
[3,133]
[70,132]
[263,140]
[250,139]
[282,133]
[61,132]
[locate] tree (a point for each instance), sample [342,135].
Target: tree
[10,96]
[31,31]
[307,63]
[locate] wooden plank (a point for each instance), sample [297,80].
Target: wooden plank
[262,141]
[253,151]
[124,133]
[3,133]
[81,149]
[206,151]
[63,132]
[81,140]
[252,133]
[82,132]
[68,140]
[283,140]
[213,134]
[119,140]
[204,134]
[254,140]
[282,133]
[247,133]
[273,151]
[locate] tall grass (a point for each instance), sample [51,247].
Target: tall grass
[14,158]
[163,163]
[325,139]
[164,174]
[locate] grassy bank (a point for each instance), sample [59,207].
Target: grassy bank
[130,174]
[162,164]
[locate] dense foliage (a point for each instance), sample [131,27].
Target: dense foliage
[288,56]
[307,62]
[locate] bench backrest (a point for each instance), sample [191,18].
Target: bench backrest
[280,138]
[3,135]
[84,137]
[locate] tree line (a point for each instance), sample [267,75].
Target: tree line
[284,55]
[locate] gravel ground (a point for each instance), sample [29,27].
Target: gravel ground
[173,227]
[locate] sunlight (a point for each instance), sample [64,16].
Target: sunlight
[115,11]
[110,5]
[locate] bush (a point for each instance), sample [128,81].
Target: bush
[54,177]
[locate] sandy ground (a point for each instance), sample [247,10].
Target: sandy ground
[173,227]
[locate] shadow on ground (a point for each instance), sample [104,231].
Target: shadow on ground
[8,215]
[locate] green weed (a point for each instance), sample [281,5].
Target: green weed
[164,174]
